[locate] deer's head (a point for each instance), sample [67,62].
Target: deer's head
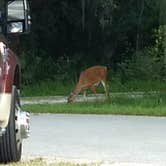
[71,97]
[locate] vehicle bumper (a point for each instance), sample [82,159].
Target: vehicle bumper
[5,106]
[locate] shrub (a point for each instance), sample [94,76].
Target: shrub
[149,63]
[142,66]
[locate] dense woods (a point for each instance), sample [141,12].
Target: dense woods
[66,36]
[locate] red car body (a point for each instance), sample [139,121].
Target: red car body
[9,76]
[14,122]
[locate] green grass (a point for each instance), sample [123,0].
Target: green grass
[47,88]
[153,105]
[137,85]
[52,88]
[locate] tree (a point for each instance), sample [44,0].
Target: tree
[88,32]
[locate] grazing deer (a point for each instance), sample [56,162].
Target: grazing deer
[90,78]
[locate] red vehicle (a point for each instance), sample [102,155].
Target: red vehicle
[14,123]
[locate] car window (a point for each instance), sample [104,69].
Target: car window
[15,10]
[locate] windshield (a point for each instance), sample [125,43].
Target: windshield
[15,10]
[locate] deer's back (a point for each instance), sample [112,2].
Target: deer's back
[93,74]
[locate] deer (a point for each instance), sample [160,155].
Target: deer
[89,79]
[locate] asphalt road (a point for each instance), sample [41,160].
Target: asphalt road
[107,138]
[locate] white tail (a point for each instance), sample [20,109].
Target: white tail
[90,78]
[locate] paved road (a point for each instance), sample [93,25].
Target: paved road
[98,138]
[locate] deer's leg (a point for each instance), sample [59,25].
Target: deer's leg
[93,89]
[84,94]
[105,88]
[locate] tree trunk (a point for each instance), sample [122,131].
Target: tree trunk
[83,14]
[139,27]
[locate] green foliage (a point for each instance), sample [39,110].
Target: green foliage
[148,63]
[109,26]
[141,66]
[68,36]
[160,44]
[42,68]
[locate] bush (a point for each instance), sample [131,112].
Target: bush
[149,63]
[37,67]
[142,66]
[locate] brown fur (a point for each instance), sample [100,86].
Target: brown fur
[90,78]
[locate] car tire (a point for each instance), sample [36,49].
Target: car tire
[10,142]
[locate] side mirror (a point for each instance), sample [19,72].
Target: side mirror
[18,20]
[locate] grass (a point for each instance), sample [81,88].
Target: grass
[42,162]
[46,88]
[52,88]
[138,85]
[152,105]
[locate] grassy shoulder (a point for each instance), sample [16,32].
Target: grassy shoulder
[52,88]
[151,105]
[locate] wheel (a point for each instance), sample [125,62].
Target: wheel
[11,142]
